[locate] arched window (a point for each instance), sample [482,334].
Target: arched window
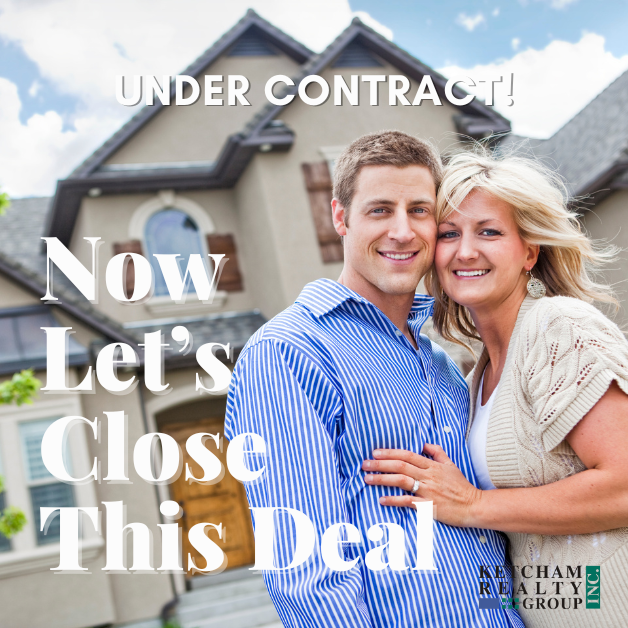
[171,231]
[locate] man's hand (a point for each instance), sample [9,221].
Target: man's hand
[441,482]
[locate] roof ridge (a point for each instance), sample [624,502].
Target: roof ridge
[249,19]
[624,74]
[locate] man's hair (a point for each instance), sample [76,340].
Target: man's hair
[386,148]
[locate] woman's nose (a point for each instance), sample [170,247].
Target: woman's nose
[467,249]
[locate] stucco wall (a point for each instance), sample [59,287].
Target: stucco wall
[284,194]
[197,132]
[607,222]
[109,217]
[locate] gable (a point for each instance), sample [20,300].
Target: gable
[198,132]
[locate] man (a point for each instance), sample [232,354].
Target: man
[344,371]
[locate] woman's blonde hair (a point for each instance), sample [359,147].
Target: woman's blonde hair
[539,199]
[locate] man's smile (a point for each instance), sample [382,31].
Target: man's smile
[399,256]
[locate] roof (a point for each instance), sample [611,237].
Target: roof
[263,129]
[228,328]
[23,342]
[591,150]
[23,260]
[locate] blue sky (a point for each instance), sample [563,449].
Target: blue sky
[431,31]
[58,59]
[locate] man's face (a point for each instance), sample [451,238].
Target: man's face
[390,234]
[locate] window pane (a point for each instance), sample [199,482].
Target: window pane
[32,434]
[5,544]
[32,337]
[9,349]
[171,231]
[57,495]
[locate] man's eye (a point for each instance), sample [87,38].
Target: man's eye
[378,210]
[419,210]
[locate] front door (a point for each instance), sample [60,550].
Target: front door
[224,502]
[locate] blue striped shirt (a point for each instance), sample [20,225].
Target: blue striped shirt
[325,383]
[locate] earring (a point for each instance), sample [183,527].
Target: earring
[536,288]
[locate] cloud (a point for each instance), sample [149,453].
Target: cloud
[33,90]
[550,85]
[79,47]
[560,4]
[515,43]
[495,12]
[470,23]
[37,153]
[374,24]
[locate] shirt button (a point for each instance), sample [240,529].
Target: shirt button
[482,539]
[398,332]
[446,429]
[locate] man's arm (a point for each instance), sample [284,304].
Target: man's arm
[280,394]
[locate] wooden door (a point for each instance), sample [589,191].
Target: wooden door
[224,502]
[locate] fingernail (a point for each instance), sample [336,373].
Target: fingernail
[368,478]
[366,464]
[382,500]
[378,452]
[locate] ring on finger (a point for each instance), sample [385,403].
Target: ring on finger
[415,487]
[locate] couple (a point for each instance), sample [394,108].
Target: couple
[363,415]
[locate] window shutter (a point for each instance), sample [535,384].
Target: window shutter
[319,188]
[132,246]
[231,278]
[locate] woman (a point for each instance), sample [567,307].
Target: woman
[549,410]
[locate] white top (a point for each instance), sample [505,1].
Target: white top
[477,438]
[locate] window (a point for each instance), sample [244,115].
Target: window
[171,231]
[45,489]
[23,342]
[5,544]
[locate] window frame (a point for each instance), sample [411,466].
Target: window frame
[25,555]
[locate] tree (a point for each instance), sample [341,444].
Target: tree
[20,389]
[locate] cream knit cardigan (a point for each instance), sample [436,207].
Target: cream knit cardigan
[562,357]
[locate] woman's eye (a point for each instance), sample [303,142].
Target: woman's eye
[448,234]
[491,232]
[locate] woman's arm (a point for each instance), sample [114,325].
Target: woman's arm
[589,501]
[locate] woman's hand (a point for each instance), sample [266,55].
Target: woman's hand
[441,482]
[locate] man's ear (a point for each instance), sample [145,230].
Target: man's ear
[338,216]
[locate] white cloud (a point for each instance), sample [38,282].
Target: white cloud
[515,43]
[470,23]
[550,85]
[35,154]
[560,4]
[495,12]
[33,90]
[79,48]
[374,24]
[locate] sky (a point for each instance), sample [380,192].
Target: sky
[59,59]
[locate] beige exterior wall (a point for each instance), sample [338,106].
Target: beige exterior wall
[109,217]
[605,222]
[284,194]
[46,600]
[198,132]
[13,295]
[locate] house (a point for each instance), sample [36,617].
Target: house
[251,182]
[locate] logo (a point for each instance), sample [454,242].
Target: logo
[593,587]
[539,587]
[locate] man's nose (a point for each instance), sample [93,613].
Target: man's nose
[401,229]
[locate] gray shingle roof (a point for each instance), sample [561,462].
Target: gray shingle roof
[593,141]
[233,328]
[22,254]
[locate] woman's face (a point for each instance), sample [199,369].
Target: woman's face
[480,258]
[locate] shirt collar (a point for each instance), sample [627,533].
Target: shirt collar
[325,295]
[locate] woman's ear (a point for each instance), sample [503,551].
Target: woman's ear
[533,255]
